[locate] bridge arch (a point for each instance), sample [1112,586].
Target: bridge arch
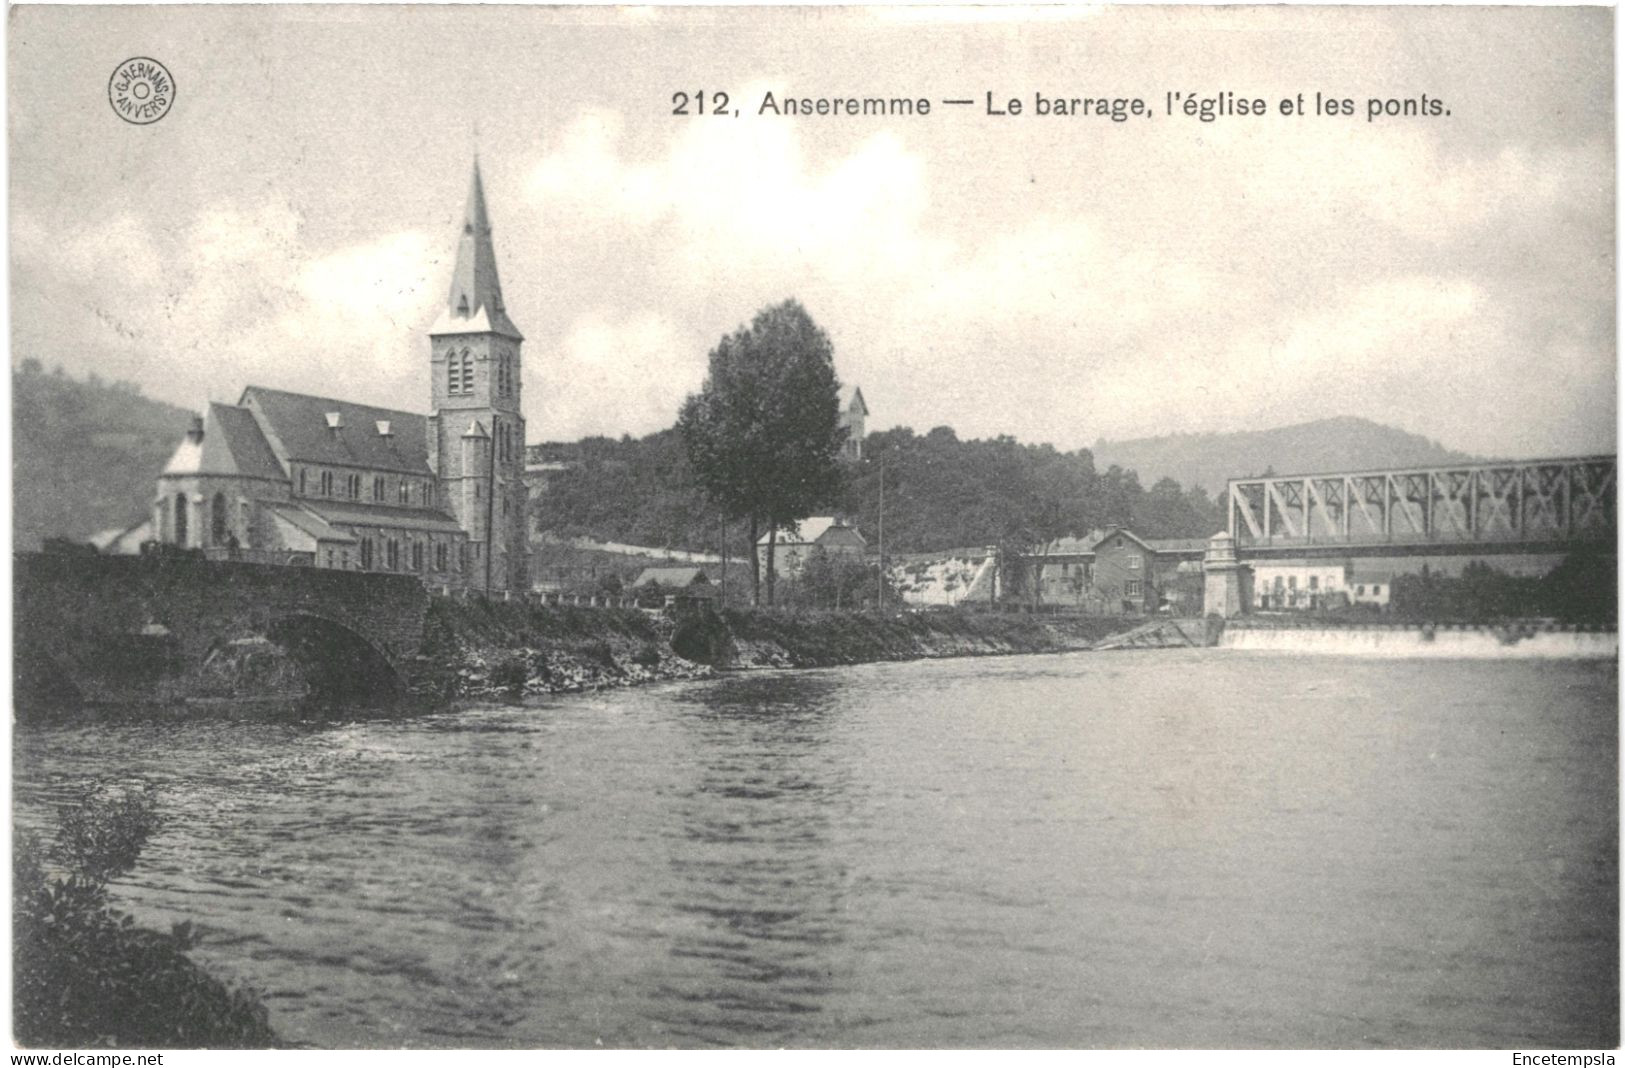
[336,660]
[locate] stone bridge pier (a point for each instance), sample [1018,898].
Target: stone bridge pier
[120,628]
[1227,583]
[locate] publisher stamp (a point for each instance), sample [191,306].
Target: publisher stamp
[141,91]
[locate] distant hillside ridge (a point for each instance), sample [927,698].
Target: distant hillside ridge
[85,455]
[1344,443]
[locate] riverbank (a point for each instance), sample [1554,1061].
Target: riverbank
[510,650]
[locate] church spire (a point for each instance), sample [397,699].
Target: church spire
[474,304]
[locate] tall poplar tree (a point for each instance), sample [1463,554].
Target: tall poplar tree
[763,433]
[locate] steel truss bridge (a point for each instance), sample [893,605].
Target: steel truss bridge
[1506,507]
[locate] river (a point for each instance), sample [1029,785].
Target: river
[1192,848]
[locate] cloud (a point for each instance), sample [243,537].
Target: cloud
[234,297]
[1297,272]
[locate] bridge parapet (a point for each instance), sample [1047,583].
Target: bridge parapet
[1499,507]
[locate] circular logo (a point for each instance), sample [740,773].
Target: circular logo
[141,90]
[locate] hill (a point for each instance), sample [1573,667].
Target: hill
[85,456]
[1210,460]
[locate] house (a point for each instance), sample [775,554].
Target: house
[1371,587]
[123,541]
[795,544]
[1116,572]
[852,416]
[1300,584]
[290,478]
[680,584]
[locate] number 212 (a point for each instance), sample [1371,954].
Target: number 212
[719,103]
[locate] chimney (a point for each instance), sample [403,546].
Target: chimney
[194,433]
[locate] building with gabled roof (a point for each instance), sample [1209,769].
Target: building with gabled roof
[672,578]
[1114,571]
[796,542]
[282,477]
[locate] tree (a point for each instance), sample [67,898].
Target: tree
[763,434]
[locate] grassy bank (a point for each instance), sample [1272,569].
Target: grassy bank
[509,649]
[822,639]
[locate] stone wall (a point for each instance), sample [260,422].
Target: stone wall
[119,627]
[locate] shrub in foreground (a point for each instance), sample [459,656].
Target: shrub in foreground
[83,973]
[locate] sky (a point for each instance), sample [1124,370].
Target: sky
[292,220]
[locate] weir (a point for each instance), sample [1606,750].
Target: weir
[1513,641]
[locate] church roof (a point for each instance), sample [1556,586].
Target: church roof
[855,402]
[381,515]
[474,305]
[231,445]
[299,427]
[307,522]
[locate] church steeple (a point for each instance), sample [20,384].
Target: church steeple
[474,305]
[476,428]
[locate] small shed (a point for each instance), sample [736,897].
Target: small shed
[679,584]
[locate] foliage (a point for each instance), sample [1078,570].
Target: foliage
[944,493]
[763,434]
[510,672]
[836,581]
[85,455]
[641,491]
[101,834]
[702,637]
[84,974]
[1582,589]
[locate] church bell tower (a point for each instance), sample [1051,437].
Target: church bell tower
[476,431]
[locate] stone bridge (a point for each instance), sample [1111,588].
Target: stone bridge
[153,628]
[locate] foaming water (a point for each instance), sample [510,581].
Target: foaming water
[1181,848]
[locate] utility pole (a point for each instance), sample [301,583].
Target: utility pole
[880,569]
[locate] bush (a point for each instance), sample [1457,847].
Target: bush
[84,974]
[648,655]
[510,672]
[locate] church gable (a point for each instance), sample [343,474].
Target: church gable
[226,442]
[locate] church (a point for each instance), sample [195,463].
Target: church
[290,478]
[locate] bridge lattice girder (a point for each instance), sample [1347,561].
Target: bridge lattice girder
[1493,505]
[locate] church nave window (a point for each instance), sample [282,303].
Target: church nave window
[440,555]
[393,551]
[366,554]
[377,487]
[302,482]
[327,483]
[406,492]
[217,520]
[417,555]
